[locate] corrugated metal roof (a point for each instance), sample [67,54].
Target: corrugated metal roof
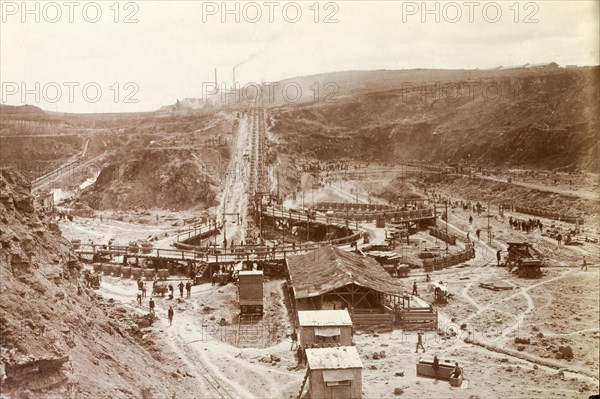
[343,357]
[328,268]
[324,318]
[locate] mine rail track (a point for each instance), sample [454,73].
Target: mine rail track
[208,376]
[250,331]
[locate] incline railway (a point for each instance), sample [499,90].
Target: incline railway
[69,167]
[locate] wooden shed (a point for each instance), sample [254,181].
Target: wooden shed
[325,327]
[331,278]
[334,373]
[47,200]
[250,291]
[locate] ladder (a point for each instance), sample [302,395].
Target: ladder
[303,383]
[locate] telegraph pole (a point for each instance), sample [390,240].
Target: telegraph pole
[446,216]
[447,225]
[224,228]
[260,219]
[307,227]
[215,223]
[488,225]
[284,228]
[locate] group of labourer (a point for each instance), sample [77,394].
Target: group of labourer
[92,279]
[466,205]
[64,216]
[525,225]
[436,361]
[141,286]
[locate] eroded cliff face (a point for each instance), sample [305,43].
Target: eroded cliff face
[59,338]
[540,120]
[157,178]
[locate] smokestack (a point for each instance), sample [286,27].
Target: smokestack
[216,81]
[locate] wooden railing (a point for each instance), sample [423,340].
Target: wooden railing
[442,235]
[448,260]
[211,253]
[549,215]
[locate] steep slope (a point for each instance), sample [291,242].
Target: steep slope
[58,338]
[179,167]
[164,178]
[543,119]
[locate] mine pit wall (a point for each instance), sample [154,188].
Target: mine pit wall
[55,331]
[36,155]
[39,374]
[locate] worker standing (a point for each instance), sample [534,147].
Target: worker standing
[414,290]
[170,314]
[584,265]
[300,355]
[498,256]
[457,371]
[419,342]
[188,288]
[435,366]
[151,304]
[294,337]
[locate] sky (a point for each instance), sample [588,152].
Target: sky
[127,56]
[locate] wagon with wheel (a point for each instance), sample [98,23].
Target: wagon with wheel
[523,260]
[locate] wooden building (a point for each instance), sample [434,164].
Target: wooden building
[324,327]
[334,373]
[330,278]
[47,200]
[250,292]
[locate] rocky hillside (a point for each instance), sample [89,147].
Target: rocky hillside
[156,178]
[546,119]
[28,111]
[180,167]
[60,339]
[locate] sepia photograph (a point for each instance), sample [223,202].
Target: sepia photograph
[304,199]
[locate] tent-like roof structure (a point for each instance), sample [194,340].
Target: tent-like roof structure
[344,357]
[324,318]
[328,268]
